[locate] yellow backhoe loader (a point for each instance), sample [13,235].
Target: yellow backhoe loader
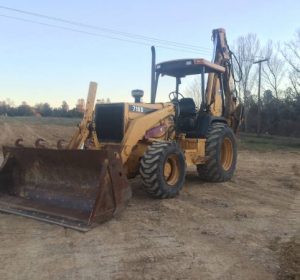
[86,181]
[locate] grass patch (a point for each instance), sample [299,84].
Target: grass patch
[267,142]
[41,120]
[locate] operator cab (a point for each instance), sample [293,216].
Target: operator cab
[189,120]
[184,67]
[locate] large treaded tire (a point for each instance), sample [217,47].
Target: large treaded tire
[152,170]
[213,170]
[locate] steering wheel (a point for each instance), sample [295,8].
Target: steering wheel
[173,95]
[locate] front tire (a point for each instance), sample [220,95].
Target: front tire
[162,169]
[221,153]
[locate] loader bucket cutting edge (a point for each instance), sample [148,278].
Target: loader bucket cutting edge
[72,188]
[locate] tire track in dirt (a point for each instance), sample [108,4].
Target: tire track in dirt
[294,215]
[7,134]
[30,131]
[183,254]
[6,137]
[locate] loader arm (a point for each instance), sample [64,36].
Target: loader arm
[82,132]
[139,126]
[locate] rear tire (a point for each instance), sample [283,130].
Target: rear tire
[162,169]
[221,151]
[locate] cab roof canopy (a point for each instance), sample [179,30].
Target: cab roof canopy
[184,67]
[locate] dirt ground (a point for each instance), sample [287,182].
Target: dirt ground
[248,228]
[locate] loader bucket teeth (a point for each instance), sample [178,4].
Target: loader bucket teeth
[18,142]
[40,143]
[61,144]
[72,188]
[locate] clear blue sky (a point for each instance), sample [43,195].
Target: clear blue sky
[44,64]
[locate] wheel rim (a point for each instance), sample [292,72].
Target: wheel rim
[171,170]
[226,154]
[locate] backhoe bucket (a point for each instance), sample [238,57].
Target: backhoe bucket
[72,188]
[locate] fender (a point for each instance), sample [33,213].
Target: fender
[203,123]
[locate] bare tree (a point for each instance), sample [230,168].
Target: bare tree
[65,106]
[10,102]
[294,78]
[246,49]
[273,71]
[193,90]
[80,106]
[291,53]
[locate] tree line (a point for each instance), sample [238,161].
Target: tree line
[7,108]
[279,105]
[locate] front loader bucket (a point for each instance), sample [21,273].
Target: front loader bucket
[72,188]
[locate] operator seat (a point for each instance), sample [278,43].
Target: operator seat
[187,107]
[187,114]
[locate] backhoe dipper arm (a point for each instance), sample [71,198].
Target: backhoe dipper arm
[221,57]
